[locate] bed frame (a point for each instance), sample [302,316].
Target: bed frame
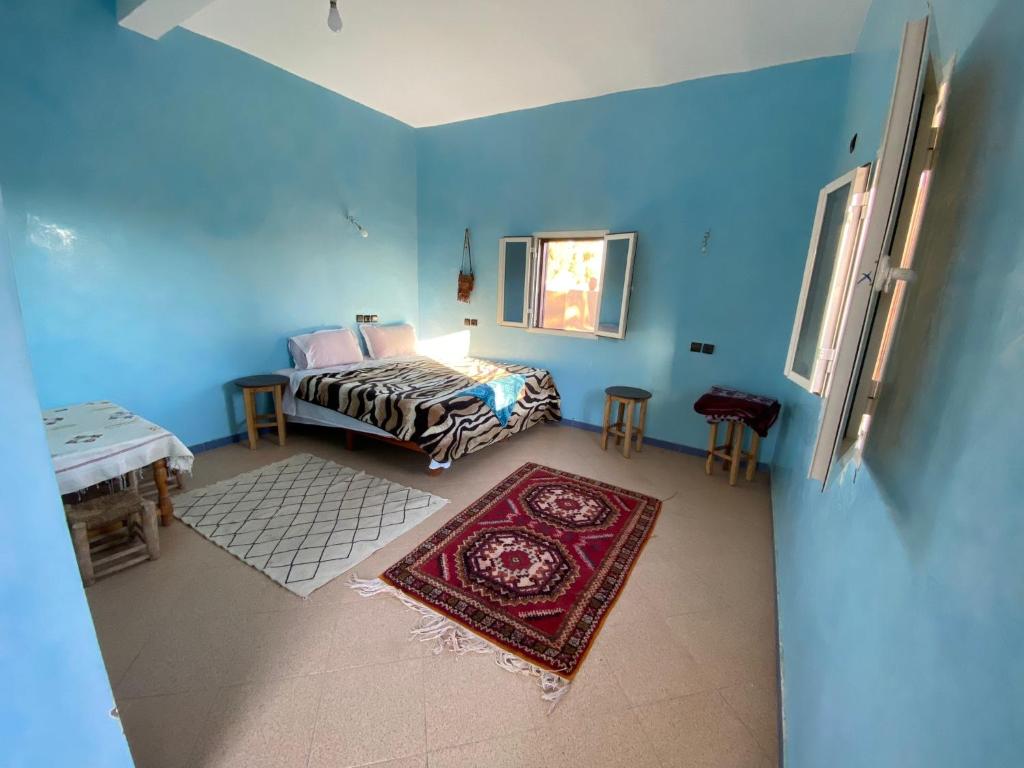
[351,435]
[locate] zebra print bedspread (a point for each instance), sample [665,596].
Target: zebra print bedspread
[419,400]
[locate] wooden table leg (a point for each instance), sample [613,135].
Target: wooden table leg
[709,464]
[160,478]
[628,431]
[607,416]
[250,417]
[755,449]
[279,413]
[737,447]
[621,421]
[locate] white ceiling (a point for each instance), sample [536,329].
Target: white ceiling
[428,62]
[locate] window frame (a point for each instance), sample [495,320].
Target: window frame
[539,238]
[897,270]
[627,287]
[502,243]
[842,273]
[532,276]
[887,186]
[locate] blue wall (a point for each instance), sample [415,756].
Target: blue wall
[901,596]
[742,155]
[56,698]
[176,211]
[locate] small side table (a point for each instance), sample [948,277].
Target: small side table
[97,441]
[627,398]
[251,386]
[739,410]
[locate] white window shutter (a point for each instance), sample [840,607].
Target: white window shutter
[883,206]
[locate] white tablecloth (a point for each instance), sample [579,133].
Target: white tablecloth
[98,441]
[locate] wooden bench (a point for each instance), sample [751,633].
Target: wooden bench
[125,532]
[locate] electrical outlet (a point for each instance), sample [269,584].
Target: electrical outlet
[708,349]
[475,322]
[366,318]
[695,346]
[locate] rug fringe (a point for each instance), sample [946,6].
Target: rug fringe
[455,638]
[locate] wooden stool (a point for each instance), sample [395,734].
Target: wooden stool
[627,398]
[252,386]
[116,547]
[731,451]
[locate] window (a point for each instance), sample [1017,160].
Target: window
[870,260]
[574,283]
[569,284]
[827,277]
[896,271]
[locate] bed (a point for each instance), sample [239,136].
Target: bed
[421,403]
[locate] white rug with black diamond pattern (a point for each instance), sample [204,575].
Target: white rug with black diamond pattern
[305,520]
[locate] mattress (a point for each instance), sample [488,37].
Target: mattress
[423,401]
[304,412]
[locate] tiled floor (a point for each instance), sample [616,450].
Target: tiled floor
[215,665]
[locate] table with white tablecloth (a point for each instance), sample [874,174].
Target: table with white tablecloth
[98,441]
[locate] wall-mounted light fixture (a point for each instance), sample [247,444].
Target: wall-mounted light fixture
[357,225]
[334,17]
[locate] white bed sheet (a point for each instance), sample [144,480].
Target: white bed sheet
[305,412]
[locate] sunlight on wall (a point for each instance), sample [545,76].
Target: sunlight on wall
[452,346]
[50,236]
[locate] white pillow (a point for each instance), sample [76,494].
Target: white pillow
[323,349]
[389,340]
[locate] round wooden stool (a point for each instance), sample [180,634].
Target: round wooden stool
[627,398]
[739,410]
[251,386]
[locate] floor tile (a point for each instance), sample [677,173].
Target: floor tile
[605,741]
[418,761]
[756,704]
[161,729]
[699,731]
[373,631]
[370,714]
[280,644]
[267,724]
[648,663]
[729,646]
[470,698]
[527,749]
[183,656]
[595,691]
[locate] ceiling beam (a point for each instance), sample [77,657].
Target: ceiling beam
[155,18]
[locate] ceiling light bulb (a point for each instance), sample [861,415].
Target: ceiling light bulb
[364,233]
[334,17]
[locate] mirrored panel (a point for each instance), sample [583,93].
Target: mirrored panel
[515,265]
[615,285]
[821,279]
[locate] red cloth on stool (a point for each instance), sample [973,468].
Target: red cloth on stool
[724,404]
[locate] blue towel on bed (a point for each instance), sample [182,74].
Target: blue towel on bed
[500,395]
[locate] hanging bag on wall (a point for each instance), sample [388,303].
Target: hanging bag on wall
[466,279]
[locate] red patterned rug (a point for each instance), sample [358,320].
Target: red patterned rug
[533,566]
